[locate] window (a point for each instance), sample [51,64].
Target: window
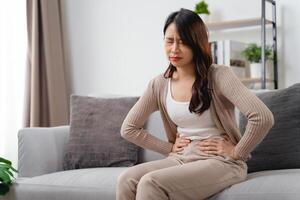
[13,47]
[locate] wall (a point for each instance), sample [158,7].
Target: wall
[116,47]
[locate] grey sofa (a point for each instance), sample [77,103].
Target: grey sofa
[41,176]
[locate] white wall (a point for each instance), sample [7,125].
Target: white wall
[116,47]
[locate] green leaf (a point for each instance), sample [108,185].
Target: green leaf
[5,161]
[8,166]
[253,53]
[5,177]
[5,165]
[201,8]
[14,169]
[6,171]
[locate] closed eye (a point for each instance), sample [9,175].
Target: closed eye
[169,40]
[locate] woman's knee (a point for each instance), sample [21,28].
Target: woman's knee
[128,176]
[125,176]
[151,185]
[126,184]
[148,180]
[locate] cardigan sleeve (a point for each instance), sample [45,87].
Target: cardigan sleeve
[132,127]
[260,118]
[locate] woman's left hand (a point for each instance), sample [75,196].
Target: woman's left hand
[217,146]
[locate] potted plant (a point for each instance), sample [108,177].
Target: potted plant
[252,53]
[201,9]
[5,175]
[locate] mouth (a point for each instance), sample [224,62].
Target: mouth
[175,58]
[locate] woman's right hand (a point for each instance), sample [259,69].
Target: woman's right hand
[180,143]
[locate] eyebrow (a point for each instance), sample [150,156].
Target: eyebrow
[169,38]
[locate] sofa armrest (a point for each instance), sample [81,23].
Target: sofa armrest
[41,150]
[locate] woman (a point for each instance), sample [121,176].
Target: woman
[205,152]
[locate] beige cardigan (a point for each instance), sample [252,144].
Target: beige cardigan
[227,92]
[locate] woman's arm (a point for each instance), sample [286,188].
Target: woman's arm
[260,118]
[132,127]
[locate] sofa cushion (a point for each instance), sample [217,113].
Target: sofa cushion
[79,184]
[266,185]
[100,184]
[95,139]
[280,149]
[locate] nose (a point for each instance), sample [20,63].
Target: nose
[175,47]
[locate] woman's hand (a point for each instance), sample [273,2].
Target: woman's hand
[180,143]
[218,146]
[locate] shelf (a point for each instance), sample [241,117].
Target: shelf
[253,80]
[263,23]
[214,26]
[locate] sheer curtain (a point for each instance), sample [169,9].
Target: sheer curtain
[13,47]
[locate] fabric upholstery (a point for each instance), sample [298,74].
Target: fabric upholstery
[95,139]
[100,184]
[264,185]
[79,184]
[280,149]
[42,146]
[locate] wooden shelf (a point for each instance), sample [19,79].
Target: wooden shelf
[214,26]
[253,80]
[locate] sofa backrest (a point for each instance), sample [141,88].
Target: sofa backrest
[155,126]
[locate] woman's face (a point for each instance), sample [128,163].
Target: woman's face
[179,54]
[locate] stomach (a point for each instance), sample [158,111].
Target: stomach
[200,133]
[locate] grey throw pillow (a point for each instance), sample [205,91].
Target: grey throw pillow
[95,139]
[280,149]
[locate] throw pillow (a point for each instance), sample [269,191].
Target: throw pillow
[280,149]
[95,139]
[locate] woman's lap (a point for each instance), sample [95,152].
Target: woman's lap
[197,179]
[186,180]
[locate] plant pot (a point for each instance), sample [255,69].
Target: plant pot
[255,70]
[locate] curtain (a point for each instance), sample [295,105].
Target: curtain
[47,95]
[13,46]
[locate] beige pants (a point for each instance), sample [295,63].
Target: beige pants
[184,176]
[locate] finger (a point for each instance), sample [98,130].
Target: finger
[209,148]
[185,140]
[177,135]
[179,149]
[208,143]
[227,141]
[213,152]
[181,145]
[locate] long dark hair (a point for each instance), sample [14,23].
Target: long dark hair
[194,34]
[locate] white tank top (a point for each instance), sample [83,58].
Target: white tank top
[190,124]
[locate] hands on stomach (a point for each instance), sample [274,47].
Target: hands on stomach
[180,143]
